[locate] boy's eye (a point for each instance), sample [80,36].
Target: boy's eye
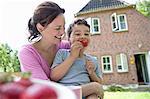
[86,34]
[77,34]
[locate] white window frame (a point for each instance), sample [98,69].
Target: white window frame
[117,22]
[98,25]
[125,22]
[123,62]
[110,63]
[90,21]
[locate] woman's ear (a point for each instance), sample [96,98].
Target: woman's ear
[39,27]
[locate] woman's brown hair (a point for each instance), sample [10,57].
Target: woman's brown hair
[44,14]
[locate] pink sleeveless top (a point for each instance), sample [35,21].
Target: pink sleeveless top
[32,61]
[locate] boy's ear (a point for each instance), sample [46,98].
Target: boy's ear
[39,27]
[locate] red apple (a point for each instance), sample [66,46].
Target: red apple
[38,91]
[26,82]
[11,91]
[84,42]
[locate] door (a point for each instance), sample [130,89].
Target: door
[142,72]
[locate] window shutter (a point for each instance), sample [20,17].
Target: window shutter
[124,62]
[114,22]
[118,62]
[89,21]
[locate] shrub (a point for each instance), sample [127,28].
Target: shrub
[116,88]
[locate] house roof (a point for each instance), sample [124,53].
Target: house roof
[99,5]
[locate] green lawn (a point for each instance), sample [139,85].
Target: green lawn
[127,95]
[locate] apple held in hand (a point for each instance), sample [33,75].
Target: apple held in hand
[38,91]
[84,42]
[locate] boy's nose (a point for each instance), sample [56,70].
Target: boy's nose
[82,36]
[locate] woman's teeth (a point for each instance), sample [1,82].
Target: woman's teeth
[57,37]
[60,37]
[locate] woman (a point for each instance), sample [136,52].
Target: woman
[46,28]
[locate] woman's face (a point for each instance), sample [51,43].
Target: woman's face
[80,33]
[55,30]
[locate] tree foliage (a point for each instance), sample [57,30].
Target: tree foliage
[144,7]
[8,59]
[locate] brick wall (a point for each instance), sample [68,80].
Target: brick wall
[128,42]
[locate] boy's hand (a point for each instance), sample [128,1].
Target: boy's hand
[90,67]
[75,49]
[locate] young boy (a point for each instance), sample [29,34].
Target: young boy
[74,67]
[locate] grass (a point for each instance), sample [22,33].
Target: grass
[126,95]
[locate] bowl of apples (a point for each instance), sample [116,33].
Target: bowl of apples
[26,88]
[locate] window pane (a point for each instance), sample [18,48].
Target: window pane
[105,68]
[118,59]
[113,18]
[95,22]
[123,25]
[96,29]
[108,60]
[119,67]
[122,19]
[104,60]
[114,25]
[108,67]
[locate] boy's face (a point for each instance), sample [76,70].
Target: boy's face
[80,33]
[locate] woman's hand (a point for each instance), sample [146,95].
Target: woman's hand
[90,66]
[75,49]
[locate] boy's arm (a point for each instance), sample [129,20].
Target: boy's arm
[92,73]
[62,66]
[95,78]
[59,71]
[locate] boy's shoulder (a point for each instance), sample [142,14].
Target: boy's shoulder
[91,57]
[63,51]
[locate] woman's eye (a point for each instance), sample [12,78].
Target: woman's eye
[57,29]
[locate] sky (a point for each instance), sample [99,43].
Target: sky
[14,16]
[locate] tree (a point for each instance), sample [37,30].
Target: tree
[8,59]
[144,7]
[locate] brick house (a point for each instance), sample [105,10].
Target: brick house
[120,40]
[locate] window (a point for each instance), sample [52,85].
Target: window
[94,25]
[106,64]
[122,64]
[119,22]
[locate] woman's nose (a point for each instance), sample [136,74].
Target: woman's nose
[62,31]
